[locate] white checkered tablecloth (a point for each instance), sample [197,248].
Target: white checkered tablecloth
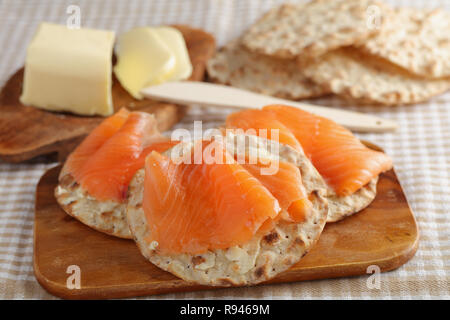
[420,149]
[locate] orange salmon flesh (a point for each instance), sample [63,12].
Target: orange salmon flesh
[342,160]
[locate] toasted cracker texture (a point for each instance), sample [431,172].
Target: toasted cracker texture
[367,79]
[236,66]
[344,206]
[105,216]
[312,29]
[415,39]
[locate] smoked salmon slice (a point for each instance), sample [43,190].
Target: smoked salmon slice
[342,160]
[287,187]
[94,140]
[194,207]
[191,208]
[104,163]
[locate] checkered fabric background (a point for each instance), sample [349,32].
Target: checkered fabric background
[420,149]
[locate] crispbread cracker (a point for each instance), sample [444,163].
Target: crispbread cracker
[236,66]
[313,28]
[367,79]
[105,216]
[343,206]
[263,257]
[415,39]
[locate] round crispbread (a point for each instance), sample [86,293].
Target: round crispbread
[344,206]
[262,258]
[234,65]
[106,216]
[415,39]
[357,76]
[313,28]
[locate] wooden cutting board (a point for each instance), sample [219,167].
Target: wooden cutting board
[384,234]
[27,132]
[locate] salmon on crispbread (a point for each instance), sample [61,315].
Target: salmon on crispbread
[225,224]
[94,180]
[349,170]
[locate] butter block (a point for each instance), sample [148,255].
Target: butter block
[69,70]
[143,59]
[175,41]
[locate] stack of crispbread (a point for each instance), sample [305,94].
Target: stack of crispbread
[361,50]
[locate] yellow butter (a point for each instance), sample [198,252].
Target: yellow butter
[143,60]
[69,70]
[149,56]
[175,41]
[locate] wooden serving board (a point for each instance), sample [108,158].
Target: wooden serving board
[27,132]
[384,234]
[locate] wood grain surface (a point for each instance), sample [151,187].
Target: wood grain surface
[27,132]
[384,234]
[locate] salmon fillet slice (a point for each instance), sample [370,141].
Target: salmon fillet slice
[104,163]
[287,187]
[192,208]
[94,141]
[342,160]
